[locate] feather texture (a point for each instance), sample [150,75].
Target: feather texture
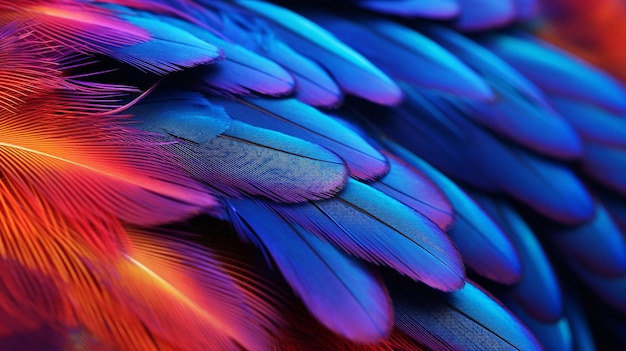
[344,63]
[372,226]
[185,175]
[460,323]
[342,293]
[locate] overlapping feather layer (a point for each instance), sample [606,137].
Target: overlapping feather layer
[204,175]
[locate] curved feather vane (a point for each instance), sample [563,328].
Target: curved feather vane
[19,77]
[148,44]
[539,278]
[182,175]
[409,8]
[481,242]
[305,122]
[354,74]
[559,73]
[462,320]
[342,293]
[314,85]
[246,160]
[390,46]
[414,189]
[372,226]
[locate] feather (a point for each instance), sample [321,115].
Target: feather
[490,163]
[241,71]
[598,245]
[81,26]
[593,123]
[558,72]
[409,8]
[515,97]
[389,46]
[606,164]
[315,86]
[552,335]
[481,242]
[178,288]
[539,278]
[262,162]
[93,166]
[235,158]
[413,188]
[370,225]
[484,14]
[341,292]
[467,319]
[351,71]
[305,122]
[183,114]
[170,49]
[28,67]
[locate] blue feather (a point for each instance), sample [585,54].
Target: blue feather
[341,292]
[170,49]
[557,72]
[241,71]
[413,188]
[460,148]
[553,336]
[483,245]
[315,86]
[598,245]
[235,158]
[483,14]
[520,111]
[539,278]
[390,46]
[300,120]
[183,114]
[467,319]
[419,8]
[352,72]
[592,122]
[368,224]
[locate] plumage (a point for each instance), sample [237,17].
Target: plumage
[420,8]
[369,175]
[352,71]
[300,120]
[370,225]
[482,244]
[389,46]
[341,292]
[462,320]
